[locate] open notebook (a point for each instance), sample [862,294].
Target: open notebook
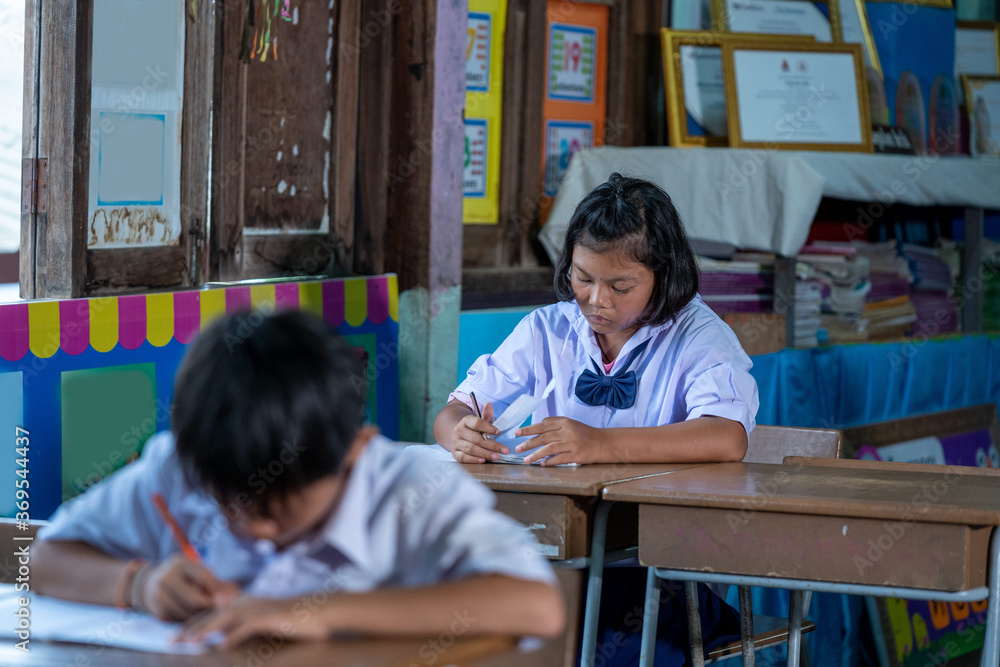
[58,620]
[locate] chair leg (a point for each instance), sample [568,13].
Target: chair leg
[694,624]
[806,662]
[595,580]
[650,619]
[794,627]
[746,626]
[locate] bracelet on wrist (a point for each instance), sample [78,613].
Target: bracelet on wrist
[125,582]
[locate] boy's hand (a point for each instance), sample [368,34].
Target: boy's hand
[467,442]
[248,617]
[565,440]
[179,588]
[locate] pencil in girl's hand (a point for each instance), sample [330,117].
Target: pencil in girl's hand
[479,412]
[175,528]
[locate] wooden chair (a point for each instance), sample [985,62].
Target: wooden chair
[767,444]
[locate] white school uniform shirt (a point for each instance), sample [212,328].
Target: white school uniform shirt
[692,366]
[405,520]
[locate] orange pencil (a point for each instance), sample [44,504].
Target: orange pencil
[175,528]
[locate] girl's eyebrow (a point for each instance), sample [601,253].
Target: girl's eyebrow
[619,279]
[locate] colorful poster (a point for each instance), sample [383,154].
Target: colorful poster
[921,632]
[477,53]
[562,141]
[483,106]
[571,62]
[476,150]
[574,108]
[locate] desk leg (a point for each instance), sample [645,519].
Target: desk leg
[746,626]
[991,640]
[591,613]
[795,607]
[650,619]
[694,624]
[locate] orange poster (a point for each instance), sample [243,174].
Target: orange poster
[575,105]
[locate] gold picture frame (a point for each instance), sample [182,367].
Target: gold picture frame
[979,145]
[937,4]
[985,26]
[720,17]
[866,31]
[736,140]
[672,41]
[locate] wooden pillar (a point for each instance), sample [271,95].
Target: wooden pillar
[424,211]
[972,286]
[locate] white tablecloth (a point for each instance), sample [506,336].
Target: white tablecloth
[766,200]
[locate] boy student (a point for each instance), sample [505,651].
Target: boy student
[269,472]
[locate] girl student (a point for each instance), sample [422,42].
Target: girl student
[644,371]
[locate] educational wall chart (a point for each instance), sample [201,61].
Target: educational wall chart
[90,380]
[483,105]
[575,103]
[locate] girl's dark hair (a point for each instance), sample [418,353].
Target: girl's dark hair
[264,405]
[636,217]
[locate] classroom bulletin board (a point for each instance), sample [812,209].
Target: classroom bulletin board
[90,380]
[575,101]
[483,106]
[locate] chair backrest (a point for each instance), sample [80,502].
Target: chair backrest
[771,444]
[8,559]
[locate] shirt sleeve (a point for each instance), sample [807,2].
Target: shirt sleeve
[718,381]
[502,376]
[461,534]
[116,515]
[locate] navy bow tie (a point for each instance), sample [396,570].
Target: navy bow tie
[617,391]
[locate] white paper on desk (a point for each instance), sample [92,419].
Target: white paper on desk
[59,620]
[522,408]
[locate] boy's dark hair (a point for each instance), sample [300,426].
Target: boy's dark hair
[264,405]
[635,217]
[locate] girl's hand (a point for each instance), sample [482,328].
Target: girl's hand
[467,442]
[179,588]
[248,617]
[565,440]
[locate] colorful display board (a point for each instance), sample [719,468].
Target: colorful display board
[483,105]
[91,380]
[921,632]
[575,103]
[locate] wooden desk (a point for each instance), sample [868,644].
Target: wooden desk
[557,504]
[562,508]
[840,529]
[468,651]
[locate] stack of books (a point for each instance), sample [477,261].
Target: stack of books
[842,274]
[736,286]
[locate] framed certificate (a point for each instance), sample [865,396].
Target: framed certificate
[819,18]
[796,96]
[695,86]
[977,48]
[982,96]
